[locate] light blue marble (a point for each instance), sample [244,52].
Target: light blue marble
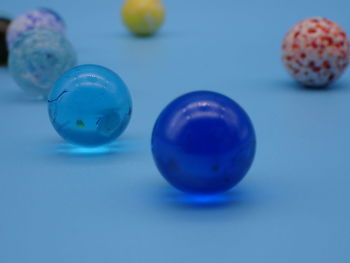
[90,106]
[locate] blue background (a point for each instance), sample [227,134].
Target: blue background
[64,204]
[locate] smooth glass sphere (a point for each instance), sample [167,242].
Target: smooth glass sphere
[39,58]
[143,17]
[203,143]
[90,106]
[40,18]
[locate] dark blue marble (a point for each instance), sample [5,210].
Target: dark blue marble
[203,142]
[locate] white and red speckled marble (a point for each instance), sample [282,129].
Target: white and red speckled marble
[316,51]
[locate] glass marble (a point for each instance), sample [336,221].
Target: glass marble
[39,58]
[316,52]
[143,17]
[203,143]
[40,18]
[4,23]
[90,106]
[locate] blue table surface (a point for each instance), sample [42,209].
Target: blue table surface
[60,203]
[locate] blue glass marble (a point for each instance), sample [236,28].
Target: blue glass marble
[203,143]
[39,58]
[90,106]
[40,18]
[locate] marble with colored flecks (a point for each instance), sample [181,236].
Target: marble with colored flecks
[38,59]
[40,18]
[316,52]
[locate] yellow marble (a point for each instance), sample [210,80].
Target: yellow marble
[143,17]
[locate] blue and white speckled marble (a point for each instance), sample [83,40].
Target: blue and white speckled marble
[39,58]
[40,18]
